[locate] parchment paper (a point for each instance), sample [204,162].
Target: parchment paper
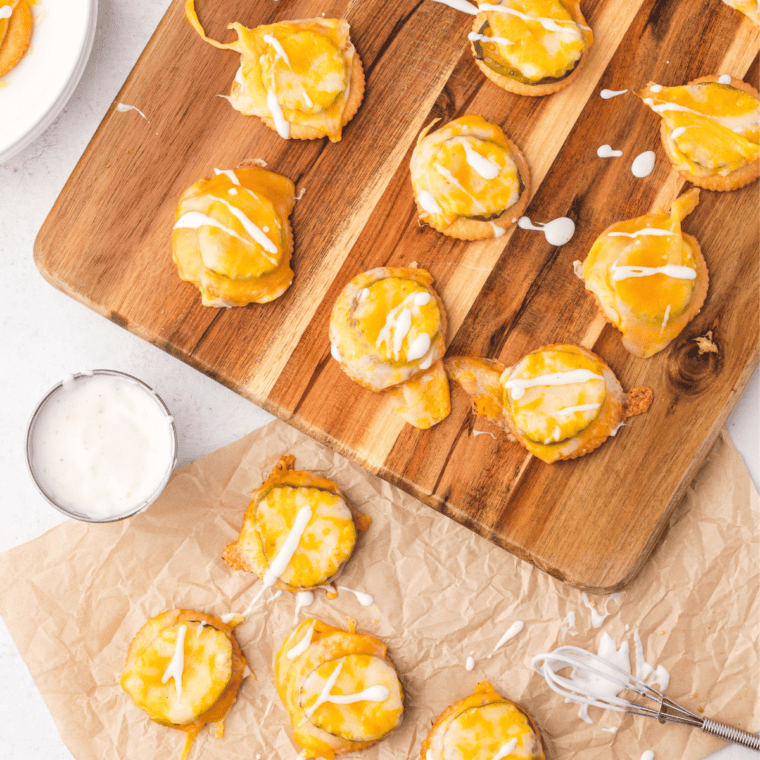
[74,598]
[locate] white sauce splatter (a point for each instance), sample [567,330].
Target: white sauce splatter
[364,599]
[470,664]
[6,11]
[648,755]
[643,164]
[519,385]
[597,618]
[506,749]
[176,665]
[475,37]
[557,231]
[230,174]
[607,94]
[670,270]
[606,151]
[123,107]
[724,79]
[302,645]
[303,599]
[429,203]
[511,632]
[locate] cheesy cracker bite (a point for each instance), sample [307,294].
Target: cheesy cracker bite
[298,532]
[339,688]
[302,78]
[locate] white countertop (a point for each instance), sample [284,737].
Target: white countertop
[45,335]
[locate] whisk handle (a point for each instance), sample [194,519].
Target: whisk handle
[729,734]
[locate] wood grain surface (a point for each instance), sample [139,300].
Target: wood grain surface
[591,522]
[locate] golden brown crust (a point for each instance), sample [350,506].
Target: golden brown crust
[17,37]
[355,97]
[535,90]
[591,437]
[733,181]
[285,472]
[487,691]
[474,229]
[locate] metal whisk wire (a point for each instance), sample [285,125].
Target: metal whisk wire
[586,664]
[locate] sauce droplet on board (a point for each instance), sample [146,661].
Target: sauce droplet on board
[607,94]
[606,151]
[557,231]
[643,164]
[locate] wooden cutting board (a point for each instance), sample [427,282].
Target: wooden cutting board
[591,522]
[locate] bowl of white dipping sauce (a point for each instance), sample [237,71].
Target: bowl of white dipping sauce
[101,446]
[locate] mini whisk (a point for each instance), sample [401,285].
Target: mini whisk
[590,671]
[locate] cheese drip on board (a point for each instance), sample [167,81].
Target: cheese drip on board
[649,279]
[713,128]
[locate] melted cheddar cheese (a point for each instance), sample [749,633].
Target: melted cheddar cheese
[325,542]
[534,40]
[645,275]
[232,239]
[206,673]
[318,661]
[548,405]
[712,128]
[468,171]
[303,75]
[481,727]
[387,326]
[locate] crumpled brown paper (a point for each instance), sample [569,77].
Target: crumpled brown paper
[74,598]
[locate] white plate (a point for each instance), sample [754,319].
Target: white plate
[38,88]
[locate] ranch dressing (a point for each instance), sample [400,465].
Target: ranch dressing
[101,446]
